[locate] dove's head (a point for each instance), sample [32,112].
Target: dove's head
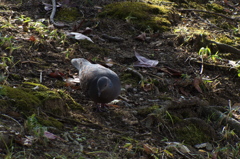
[104,84]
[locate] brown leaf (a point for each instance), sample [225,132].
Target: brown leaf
[56,74]
[181,89]
[196,82]
[141,37]
[32,38]
[149,149]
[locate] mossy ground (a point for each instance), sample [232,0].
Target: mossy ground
[143,15]
[68,14]
[28,99]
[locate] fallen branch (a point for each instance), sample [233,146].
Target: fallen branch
[112,38]
[60,25]
[225,47]
[222,118]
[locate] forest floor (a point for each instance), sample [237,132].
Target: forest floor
[187,106]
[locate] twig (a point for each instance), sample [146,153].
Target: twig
[7,116]
[201,71]
[112,38]
[136,73]
[225,47]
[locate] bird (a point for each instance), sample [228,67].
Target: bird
[99,83]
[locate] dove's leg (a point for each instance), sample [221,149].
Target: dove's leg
[101,107]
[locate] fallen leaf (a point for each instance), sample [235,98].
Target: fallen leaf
[149,149]
[49,135]
[196,82]
[141,37]
[32,38]
[56,74]
[179,146]
[79,36]
[144,62]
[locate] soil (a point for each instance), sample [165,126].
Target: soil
[171,110]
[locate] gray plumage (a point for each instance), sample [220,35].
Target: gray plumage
[101,84]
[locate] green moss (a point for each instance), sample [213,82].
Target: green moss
[93,48]
[31,85]
[5,104]
[148,110]
[15,77]
[173,118]
[190,134]
[129,78]
[50,122]
[67,14]
[142,15]
[22,98]
[224,39]
[26,99]
[215,7]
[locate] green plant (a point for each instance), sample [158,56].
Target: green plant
[33,126]
[185,76]
[5,61]
[204,52]
[7,43]
[129,18]
[24,19]
[6,23]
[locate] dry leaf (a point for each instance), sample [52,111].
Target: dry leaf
[49,135]
[144,62]
[196,82]
[56,74]
[141,37]
[149,149]
[79,36]
[32,38]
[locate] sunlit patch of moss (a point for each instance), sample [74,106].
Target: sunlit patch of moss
[93,48]
[50,122]
[215,7]
[31,84]
[224,39]
[143,15]
[68,14]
